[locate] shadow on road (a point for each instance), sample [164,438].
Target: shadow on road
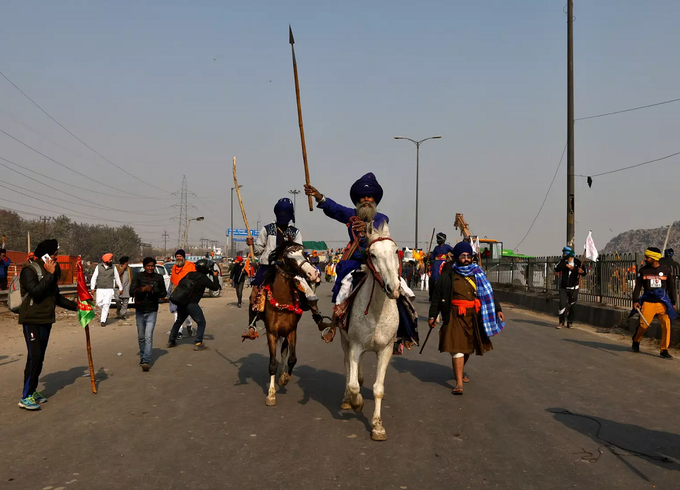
[254,367]
[540,323]
[623,440]
[54,382]
[327,388]
[8,362]
[156,354]
[428,372]
[607,347]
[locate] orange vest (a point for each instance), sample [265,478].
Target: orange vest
[179,273]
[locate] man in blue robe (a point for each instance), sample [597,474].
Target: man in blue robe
[366,193]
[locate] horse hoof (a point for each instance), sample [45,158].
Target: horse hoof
[379,434]
[270,401]
[283,380]
[345,406]
[358,407]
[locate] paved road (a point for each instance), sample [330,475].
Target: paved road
[198,419]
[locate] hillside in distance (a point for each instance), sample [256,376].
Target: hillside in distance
[639,240]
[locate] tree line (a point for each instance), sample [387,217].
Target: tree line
[90,241]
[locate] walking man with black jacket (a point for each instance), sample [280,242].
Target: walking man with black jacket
[40,297]
[570,270]
[148,287]
[238,279]
[199,281]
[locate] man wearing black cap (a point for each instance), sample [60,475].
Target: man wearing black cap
[40,297]
[437,258]
[148,287]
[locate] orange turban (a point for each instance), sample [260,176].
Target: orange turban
[107,257]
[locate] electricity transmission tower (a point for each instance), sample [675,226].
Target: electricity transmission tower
[183,205]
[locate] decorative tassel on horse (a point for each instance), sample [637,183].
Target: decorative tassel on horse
[281,306]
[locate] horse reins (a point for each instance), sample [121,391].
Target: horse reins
[376,275]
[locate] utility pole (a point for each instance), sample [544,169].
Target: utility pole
[44,220]
[570,125]
[165,243]
[183,205]
[295,192]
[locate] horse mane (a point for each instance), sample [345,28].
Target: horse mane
[381,231]
[274,256]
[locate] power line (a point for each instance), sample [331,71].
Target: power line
[85,144]
[72,170]
[632,166]
[82,199]
[627,110]
[544,199]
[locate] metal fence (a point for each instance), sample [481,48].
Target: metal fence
[608,281]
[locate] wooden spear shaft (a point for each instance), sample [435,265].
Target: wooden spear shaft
[299,111]
[243,211]
[89,359]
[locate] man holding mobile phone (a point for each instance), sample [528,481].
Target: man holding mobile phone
[40,297]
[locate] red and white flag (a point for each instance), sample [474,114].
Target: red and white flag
[590,248]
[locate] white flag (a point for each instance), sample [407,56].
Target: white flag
[590,248]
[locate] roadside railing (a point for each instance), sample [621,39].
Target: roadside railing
[609,281]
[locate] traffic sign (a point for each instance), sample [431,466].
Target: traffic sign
[242,232]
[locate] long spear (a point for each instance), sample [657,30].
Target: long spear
[299,108]
[85,316]
[243,211]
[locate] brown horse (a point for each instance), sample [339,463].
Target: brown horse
[283,304]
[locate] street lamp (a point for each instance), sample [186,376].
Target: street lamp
[231,236]
[417,143]
[186,232]
[295,192]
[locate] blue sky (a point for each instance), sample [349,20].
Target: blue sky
[170,88]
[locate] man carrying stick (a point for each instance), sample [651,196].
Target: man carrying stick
[658,300]
[40,297]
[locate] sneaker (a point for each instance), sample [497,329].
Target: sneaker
[39,398]
[103,324]
[190,331]
[570,325]
[199,346]
[171,343]
[180,336]
[636,346]
[29,403]
[665,354]
[145,366]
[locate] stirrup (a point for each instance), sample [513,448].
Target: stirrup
[250,334]
[328,334]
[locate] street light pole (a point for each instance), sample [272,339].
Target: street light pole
[417,143]
[295,192]
[186,231]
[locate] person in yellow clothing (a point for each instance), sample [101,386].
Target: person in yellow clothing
[658,299]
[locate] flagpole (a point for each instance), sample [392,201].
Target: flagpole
[89,359]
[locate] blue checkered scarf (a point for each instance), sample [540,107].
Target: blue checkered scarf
[492,325]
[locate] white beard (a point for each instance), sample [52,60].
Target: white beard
[367,211]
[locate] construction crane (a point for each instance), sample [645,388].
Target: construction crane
[494,251]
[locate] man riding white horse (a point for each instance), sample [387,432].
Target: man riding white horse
[366,193]
[271,236]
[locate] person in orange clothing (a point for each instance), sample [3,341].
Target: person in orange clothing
[658,299]
[181,268]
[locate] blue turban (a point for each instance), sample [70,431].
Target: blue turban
[569,251]
[461,248]
[366,186]
[284,211]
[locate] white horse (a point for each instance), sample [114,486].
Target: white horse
[373,323]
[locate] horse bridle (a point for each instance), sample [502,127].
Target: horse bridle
[280,263]
[371,267]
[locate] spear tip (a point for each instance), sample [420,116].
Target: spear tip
[291,40]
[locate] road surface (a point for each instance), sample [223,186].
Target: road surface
[198,419]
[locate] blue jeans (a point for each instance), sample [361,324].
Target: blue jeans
[195,312]
[146,322]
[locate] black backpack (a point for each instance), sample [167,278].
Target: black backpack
[181,294]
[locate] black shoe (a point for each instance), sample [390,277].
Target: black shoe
[665,354]
[238,305]
[103,324]
[171,343]
[190,332]
[636,346]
